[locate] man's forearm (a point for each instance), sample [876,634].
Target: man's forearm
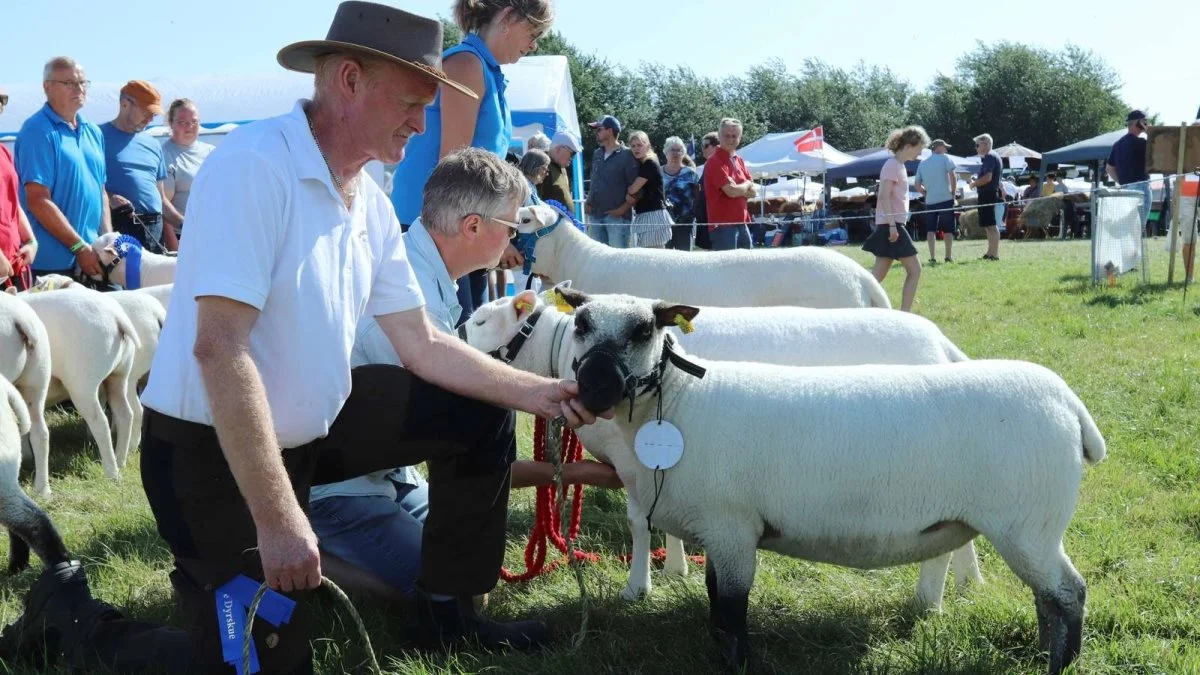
[452,365]
[242,419]
[170,214]
[53,220]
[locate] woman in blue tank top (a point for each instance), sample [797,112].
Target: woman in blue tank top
[497,32]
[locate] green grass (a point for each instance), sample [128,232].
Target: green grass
[1130,352]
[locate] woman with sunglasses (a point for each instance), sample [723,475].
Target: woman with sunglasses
[495,32]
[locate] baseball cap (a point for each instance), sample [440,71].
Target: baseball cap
[144,94]
[1135,115]
[567,140]
[939,142]
[608,122]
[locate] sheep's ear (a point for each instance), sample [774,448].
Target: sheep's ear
[524,303]
[568,299]
[111,250]
[674,315]
[11,290]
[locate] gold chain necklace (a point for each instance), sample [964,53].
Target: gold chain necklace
[347,197]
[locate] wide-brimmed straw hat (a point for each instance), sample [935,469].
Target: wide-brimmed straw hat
[370,29]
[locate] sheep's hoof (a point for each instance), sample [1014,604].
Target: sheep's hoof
[631,592]
[735,650]
[42,492]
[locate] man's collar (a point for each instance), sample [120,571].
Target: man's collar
[419,243]
[305,153]
[58,119]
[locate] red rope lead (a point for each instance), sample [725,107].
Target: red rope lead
[547,524]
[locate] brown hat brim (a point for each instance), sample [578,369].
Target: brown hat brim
[302,58]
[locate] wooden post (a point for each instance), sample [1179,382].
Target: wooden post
[1175,195]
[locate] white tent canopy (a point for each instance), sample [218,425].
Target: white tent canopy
[793,187]
[776,154]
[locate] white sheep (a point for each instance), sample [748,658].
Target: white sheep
[25,362]
[146,315]
[156,269]
[93,345]
[161,293]
[802,277]
[27,524]
[791,336]
[850,475]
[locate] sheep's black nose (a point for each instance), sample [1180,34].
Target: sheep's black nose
[601,382]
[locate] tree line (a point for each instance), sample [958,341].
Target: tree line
[1040,98]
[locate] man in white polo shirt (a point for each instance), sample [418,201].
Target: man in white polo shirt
[291,245]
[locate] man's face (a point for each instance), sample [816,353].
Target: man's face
[983,147]
[66,89]
[388,108]
[603,135]
[492,238]
[562,155]
[731,137]
[134,115]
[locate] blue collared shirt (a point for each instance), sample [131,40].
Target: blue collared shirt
[71,163]
[371,345]
[134,164]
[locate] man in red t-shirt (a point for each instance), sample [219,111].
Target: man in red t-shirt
[17,245]
[727,186]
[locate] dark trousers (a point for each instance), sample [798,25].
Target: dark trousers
[391,419]
[145,227]
[682,237]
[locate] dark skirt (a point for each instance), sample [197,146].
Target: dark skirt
[879,245]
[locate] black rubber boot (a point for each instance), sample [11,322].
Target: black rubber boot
[447,624]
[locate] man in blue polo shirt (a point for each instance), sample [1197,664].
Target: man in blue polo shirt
[137,171]
[60,163]
[1127,161]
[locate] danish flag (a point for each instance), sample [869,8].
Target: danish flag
[813,140]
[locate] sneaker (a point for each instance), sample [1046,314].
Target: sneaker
[447,624]
[932,262]
[949,259]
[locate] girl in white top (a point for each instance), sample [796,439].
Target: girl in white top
[183,153]
[890,240]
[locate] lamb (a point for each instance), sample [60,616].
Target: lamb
[155,270]
[25,362]
[161,293]
[27,524]
[93,345]
[792,336]
[146,315]
[803,277]
[867,484]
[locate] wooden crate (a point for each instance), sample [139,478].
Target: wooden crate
[1162,149]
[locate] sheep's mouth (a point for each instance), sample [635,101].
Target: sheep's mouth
[604,379]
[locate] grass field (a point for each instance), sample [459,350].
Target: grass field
[1132,354]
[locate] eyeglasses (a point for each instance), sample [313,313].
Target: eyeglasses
[73,84]
[511,225]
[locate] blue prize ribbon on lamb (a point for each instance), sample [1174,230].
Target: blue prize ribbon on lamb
[130,250]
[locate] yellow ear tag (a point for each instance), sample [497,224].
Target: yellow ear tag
[523,305]
[684,325]
[561,304]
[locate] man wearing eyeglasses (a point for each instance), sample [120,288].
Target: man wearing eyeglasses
[370,528]
[60,162]
[137,171]
[17,245]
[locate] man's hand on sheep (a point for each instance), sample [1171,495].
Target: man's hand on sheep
[558,398]
[88,261]
[511,258]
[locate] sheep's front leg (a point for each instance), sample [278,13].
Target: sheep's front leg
[639,566]
[135,427]
[676,562]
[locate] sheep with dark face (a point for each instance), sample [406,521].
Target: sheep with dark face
[850,476]
[786,336]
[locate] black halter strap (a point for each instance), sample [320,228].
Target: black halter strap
[509,351]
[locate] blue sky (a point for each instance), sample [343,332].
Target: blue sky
[149,39]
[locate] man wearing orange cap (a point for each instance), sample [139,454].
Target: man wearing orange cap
[136,171]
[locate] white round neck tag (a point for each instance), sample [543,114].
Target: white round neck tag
[659,445]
